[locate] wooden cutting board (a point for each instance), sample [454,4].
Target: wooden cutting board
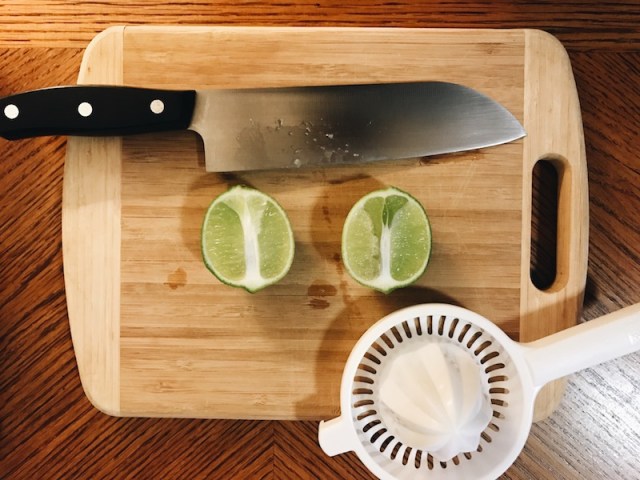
[156,334]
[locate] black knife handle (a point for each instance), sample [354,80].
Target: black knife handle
[94,111]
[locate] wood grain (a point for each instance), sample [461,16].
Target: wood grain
[182,337]
[584,25]
[49,430]
[548,121]
[96,343]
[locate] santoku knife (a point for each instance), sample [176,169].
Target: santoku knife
[255,129]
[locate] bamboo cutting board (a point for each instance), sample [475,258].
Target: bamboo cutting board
[155,334]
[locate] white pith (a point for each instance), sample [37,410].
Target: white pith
[250,219]
[251,225]
[384,281]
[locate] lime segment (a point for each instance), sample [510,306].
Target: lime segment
[386,240]
[247,239]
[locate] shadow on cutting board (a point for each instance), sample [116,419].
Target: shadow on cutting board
[343,333]
[361,307]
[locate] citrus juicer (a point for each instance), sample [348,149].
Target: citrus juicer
[439,392]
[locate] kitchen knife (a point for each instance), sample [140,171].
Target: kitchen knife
[255,129]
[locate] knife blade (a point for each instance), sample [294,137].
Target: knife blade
[264,128]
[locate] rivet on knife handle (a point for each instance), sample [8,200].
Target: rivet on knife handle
[94,110]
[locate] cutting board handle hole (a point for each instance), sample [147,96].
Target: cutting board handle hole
[544,223]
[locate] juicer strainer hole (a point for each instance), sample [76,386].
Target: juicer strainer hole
[473,339]
[379,349]
[367,368]
[363,403]
[396,449]
[494,427]
[369,426]
[418,459]
[496,390]
[455,460]
[387,340]
[498,378]
[386,442]
[396,334]
[482,347]
[377,435]
[497,414]
[498,402]
[407,330]
[418,325]
[486,437]
[430,325]
[467,455]
[407,454]
[441,325]
[430,461]
[464,332]
[363,379]
[373,358]
[366,414]
[489,356]
[452,328]
[494,367]
[362,391]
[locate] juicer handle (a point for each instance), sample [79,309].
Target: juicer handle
[337,436]
[585,345]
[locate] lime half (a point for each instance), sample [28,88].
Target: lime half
[247,239]
[386,240]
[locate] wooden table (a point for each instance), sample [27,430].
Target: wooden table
[48,428]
